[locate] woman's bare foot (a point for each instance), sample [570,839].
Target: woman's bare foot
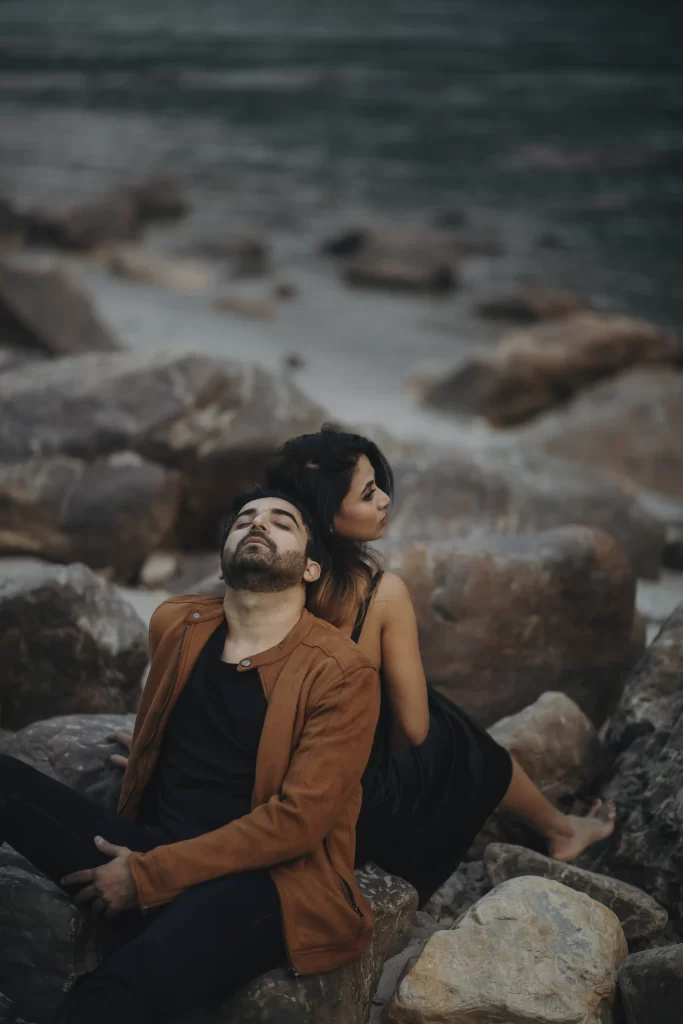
[577,834]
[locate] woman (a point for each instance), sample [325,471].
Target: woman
[434,776]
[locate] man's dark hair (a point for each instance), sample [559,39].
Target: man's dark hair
[313,547]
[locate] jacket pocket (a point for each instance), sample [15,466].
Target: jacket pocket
[345,887]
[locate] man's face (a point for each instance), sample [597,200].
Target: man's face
[266,548]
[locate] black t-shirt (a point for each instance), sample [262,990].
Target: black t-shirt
[205,774]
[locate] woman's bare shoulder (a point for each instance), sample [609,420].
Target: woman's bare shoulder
[392,589]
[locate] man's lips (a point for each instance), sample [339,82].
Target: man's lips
[255,539]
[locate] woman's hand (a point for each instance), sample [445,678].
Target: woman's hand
[125,737]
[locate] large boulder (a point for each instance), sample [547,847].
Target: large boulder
[109,513]
[68,644]
[555,743]
[74,749]
[532,951]
[650,987]
[503,619]
[409,259]
[630,427]
[647,784]
[217,422]
[118,215]
[40,939]
[536,368]
[460,496]
[343,996]
[45,308]
[641,917]
[653,691]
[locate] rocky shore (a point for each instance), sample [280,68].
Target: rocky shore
[544,562]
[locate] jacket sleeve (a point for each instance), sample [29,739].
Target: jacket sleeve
[324,771]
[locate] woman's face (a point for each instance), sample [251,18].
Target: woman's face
[363,513]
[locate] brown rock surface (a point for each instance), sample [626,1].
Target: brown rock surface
[555,743]
[502,620]
[68,644]
[458,496]
[532,951]
[529,303]
[217,422]
[46,309]
[536,368]
[631,427]
[409,259]
[109,513]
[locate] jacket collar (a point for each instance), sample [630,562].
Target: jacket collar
[202,609]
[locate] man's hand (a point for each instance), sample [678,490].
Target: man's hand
[125,738]
[109,888]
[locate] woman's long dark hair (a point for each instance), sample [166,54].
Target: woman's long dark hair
[318,469]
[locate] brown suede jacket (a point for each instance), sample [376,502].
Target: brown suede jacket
[323,703]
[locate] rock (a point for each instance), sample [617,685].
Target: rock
[74,749]
[650,986]
[68,644]
[247,254]
[555,743]
[422,260]
[653,691]
[464,888]
[108,513]
[529,303]
[641,917]
[40,938]
[159,568]
[534,369]
[530,952]
[246,305]
[463,497]
[217,422]
[13,356]
[629,427]
[343,996]
[647,782]
[285,290]
[160,197]
[112,217]
[348,243]
[146,268]
[116,216]
[46,309]
[503,619]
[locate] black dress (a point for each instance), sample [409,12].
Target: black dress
[423,807]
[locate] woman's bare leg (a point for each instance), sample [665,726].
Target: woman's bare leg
[567,835]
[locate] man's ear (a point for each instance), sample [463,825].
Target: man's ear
[312,571]
[220,569]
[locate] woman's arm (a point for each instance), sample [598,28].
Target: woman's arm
[401,663]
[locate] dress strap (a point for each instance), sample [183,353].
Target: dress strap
[364,608]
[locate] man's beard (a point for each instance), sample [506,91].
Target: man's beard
[262,571]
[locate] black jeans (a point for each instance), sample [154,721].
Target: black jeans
[207,942]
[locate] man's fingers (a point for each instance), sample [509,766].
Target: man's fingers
[109,849]
[86,895]
[99,907]
[78,877]
[120,760]
[124,736]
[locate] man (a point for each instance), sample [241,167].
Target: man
[233,848]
